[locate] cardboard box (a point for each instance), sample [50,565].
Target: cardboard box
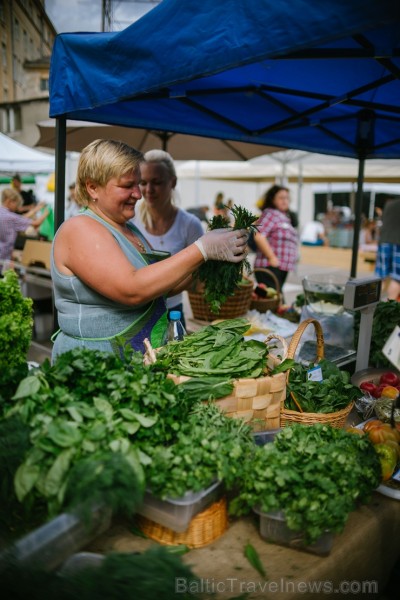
[36,254]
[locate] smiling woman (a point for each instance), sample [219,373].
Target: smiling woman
[109,290]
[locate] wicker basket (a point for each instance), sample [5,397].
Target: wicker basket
[235,306]
[288,417]
[264,304]
[204,528]
[256,401]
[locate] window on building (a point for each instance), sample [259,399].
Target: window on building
[4,56]
[10,119]
[17,33]
[44,84]
[25,42]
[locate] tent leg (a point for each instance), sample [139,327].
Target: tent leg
[59,202]
[61,143]
[357,220]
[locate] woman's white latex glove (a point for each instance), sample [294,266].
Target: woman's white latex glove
[224,244]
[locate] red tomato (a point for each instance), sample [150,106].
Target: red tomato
[389,378]
[368,386]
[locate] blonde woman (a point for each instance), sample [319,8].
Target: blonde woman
[165,226]
[107,290]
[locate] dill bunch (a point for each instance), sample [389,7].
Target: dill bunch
[221,278]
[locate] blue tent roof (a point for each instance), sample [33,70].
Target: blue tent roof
[306,74]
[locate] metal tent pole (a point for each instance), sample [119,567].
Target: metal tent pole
[357,220]
[61,143]
[59,200]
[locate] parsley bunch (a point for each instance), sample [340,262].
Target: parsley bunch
[315,474]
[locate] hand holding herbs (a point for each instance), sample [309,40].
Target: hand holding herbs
[222,278]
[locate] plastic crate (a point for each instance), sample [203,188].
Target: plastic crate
[176,513]
[273,528]
[264,437]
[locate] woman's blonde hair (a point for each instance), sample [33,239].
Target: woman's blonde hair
[159,157]
[102,160]
[11,194]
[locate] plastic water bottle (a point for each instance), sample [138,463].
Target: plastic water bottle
[175,330]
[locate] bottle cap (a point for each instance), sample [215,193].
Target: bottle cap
[175,315]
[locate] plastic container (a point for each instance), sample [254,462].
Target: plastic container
[176,513]
[264,437]
[81,560]
[324,293]
[175,330]
[50,545]
[273,528]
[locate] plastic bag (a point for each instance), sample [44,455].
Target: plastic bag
[338,329]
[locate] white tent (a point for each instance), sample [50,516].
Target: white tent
[291,166]
[15,157]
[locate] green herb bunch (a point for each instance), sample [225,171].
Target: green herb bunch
[331,394]
[16,324]
[87,404]
[208,447]
[315,474]
[386,317]
[221,278]
[148,575]
[215,350]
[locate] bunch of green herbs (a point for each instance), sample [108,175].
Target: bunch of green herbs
[210,446]
[331,394]
[87,404]
[215,350]
[131,576]
[221,278]
[16,325]
[315,474]
[386,317]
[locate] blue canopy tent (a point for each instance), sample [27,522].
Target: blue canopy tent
[305,74]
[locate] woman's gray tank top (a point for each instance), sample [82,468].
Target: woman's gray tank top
[85,317]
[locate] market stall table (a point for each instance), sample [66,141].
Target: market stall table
[359,564]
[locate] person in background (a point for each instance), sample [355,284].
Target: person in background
[313,234]
[109,292]
[165,226]
[219,206]
[11,222]
[388,253]
[276,239]
[72,208]
[367,234]
[28,198]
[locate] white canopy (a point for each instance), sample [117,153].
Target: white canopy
[291,165]
[15,157]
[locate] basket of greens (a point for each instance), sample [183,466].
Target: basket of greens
[319,392]
[222,289]
[241,376]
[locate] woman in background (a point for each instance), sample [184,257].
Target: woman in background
[165,226]
[277,239]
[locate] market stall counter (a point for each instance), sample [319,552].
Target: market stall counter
[359,563]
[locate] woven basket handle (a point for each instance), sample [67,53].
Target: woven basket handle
[294,342]
[271,274]
[299,332]
[274,336]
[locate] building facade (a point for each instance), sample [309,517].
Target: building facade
[26,37]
